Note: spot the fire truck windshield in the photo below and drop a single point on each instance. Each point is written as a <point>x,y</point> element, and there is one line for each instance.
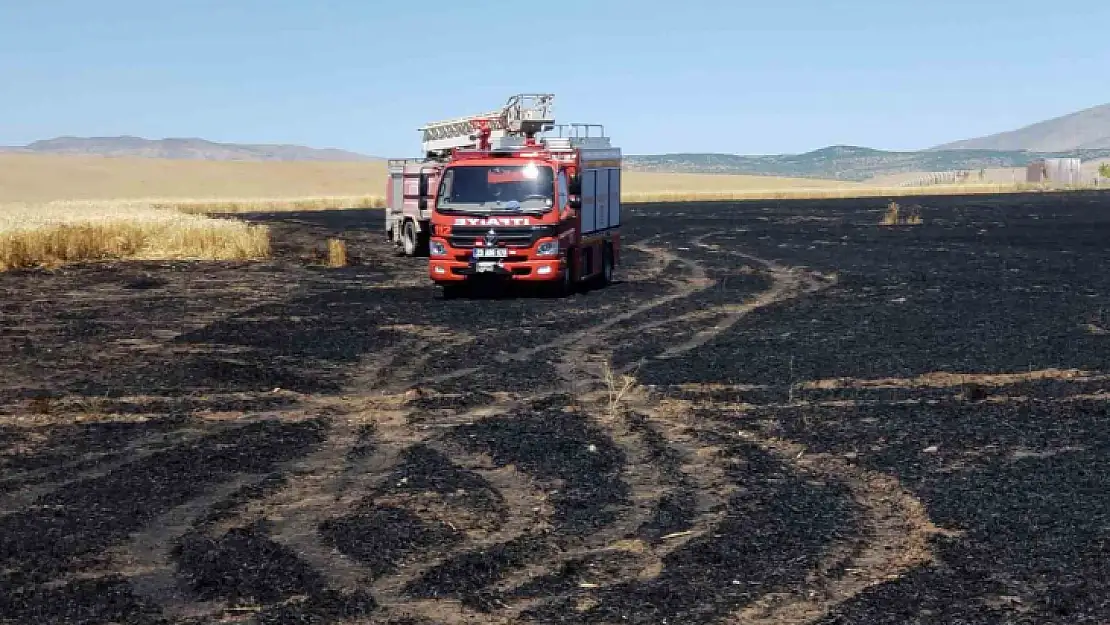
<point>525,188</point>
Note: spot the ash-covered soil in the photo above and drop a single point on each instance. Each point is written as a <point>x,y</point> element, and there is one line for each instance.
<point>782,412</point>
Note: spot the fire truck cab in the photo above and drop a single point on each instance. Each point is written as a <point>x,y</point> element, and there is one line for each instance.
<point>515,208</point>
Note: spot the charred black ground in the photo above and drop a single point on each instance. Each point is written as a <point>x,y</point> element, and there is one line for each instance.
<point>826,420</point>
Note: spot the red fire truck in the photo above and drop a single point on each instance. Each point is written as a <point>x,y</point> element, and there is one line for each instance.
<point>491,202</point>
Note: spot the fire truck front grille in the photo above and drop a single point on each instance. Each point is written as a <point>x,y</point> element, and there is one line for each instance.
<point>464,236</point>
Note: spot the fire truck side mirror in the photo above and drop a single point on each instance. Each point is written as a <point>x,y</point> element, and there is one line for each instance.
<point>574,185</point>
<point>574,203</point>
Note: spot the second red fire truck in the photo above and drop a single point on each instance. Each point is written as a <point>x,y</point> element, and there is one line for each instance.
<point>492,201</point>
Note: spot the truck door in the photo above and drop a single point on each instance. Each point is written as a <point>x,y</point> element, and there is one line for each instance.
<point>423,194</point>
<point>561,192</point>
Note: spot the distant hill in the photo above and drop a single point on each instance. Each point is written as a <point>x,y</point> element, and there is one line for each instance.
<point>190,149</point>
<point>845,162</point>
<point>1088,129</point>
<point>840,162</point>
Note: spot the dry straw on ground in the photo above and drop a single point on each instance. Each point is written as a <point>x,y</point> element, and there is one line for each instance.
<point>337,253</point>
<point>263,205</point>
<point>817,193</point>
<point>894,215</point>
<point>60,232</point>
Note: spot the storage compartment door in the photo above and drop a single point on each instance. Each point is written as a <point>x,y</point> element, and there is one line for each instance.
<point>397,192</point>
<point>589,201</point>
<point>614,198</point>
<point>602,221</point>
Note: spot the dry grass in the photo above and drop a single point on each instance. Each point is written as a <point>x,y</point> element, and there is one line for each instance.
<point>815,193</point>
<point>895,217</point>
<point>263,205</point>
<point>44,178</point>
<point>655,182</point>
<point>236,187</point>
<point>337,253</point>
<point>890,218</point>
<point>49,234</point>
<point>616,388</point>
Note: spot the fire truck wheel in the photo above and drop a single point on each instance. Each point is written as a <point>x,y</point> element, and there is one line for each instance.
<point>408,238</point>
<point>567,285</point>
<point>606,276</point>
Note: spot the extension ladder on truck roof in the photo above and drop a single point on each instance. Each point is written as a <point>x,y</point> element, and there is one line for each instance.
<point>397,165</point>
<point>527,113</point>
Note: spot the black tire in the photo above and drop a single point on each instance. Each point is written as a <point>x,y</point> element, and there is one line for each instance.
<point>567,285</point>
<point>605,278</point>
<point>409,243</point>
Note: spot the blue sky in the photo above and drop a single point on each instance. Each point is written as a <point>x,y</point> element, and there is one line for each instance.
<point>663,76</point>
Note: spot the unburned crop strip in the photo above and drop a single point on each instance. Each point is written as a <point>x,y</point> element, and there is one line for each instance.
<point>269,205</point>
<point>63,232</point>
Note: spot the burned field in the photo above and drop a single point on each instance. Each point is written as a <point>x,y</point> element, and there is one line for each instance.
<point>783,412</point>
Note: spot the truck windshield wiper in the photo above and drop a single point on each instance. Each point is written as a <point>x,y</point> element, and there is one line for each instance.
<point>462,208</point>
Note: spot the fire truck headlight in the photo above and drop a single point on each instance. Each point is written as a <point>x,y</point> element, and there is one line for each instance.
<point>437,249</point>
<point>548,248</point>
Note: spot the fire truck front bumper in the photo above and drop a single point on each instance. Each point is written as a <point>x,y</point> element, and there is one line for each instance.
<point>524,270</point>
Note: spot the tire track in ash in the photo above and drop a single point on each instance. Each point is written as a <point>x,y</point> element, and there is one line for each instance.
<point>894,535</point>
<point>786,284</point>
<point>695,282</point>
<point>649,483</point>
<point>896,530</point>
<point>40,483</point>
<point>391,590</point>
<point>303,498</point>
<point>526,509</point>
<point>338,477</point>
<point>327,484</point>
<point>895,538</point>
<point>148,564</point>
<point>644,478</point>
<point>663,471</point>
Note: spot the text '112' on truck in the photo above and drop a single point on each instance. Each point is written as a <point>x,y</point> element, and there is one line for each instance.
<point>496,200</point>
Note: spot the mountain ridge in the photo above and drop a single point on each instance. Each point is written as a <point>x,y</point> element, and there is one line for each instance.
<point>837,162</point>
<point>1086,129</point>
<point>186,148</point>
<point>849,163</point>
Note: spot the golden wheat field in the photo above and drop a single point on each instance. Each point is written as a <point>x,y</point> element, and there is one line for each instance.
<point>56,209</point>
<point>53,233</point>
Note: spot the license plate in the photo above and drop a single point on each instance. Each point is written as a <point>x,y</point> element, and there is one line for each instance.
<point>490,252</point>
<point>485,267</point>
